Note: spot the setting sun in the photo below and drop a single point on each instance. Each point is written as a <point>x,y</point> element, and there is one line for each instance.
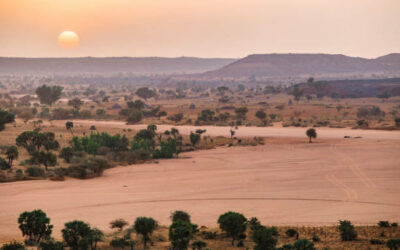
<point>68,40</point>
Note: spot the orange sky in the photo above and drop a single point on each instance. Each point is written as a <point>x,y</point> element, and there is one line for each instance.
<point>204,28</point>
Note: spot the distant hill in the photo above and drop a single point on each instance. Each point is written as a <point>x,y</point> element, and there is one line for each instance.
<point>276,65</point>
<point>107,65</point>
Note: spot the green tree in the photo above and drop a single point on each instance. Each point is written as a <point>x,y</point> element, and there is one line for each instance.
<point>69,126</point>
<point>118,223</point>
<point>180,233</point>
<point>198,245</point>
<point>76,234</point>
<point>263,239</point>
<point>137,104</point>
<point>95,236</point>
<point>12,154</point>
<point>145,226</point>
<point>145,93</point>
<point>66,153</point>
<point>51,245</point>
<point>33,141</point>
<point>311,133</point>
<point>49,94</point>
<point>46,158</point>
<point>5,117</point>
<point>194,138</point>
<point>4,164</point>
<point>234,224</point>
<point>260,114</point>
<point>180,215</point>
<point>35,225</point>
<point>347,232</point>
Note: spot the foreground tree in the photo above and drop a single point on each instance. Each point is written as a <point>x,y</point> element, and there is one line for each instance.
<point>35,226</point>
<point>145,226</point>
<point>76,234</point>
<point>234,224</point>
<point>311,133</point>
<point>5,117</point>
<point>49,94</point>
<point>180,233</point>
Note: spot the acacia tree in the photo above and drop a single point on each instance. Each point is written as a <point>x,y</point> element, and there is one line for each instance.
<point>145,93</point>
<point>49,94</point>
<point>35,225</point>
<point>118,223</point>
<point>145,226</point>
<point>311,133</point>
<point>5,117</point>
<point>12,153</point>
<point>76,234</point>
<point>234,224</point>
<point>69,126</point>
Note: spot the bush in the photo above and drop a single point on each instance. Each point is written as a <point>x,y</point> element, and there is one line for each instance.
<point>393,244</point>
<point>168,149</point>
<point>394,224</point>
<point>291,232</point>
<point>315,238</point>
<point>383,223</point>
<point>264,239</point>
<point>13,246</point>
<point>209,235</point>
<point>347,232</point>
<point>180,233</point>
<point>51,245</point>
<point>198,245</point>
<point>34,171</point>
<point>119,243</point>
<point>304,244</point>
<point>376,242</point>
<point>89,168</point>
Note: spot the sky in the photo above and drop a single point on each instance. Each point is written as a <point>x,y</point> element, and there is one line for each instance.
<point>200,28</point>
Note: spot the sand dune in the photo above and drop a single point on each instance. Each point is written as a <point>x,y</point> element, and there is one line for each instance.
<point>286,181</point>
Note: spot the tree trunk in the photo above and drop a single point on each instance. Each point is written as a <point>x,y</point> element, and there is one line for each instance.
<point>309,139</point>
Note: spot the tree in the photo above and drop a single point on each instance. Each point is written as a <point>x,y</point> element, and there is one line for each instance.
<point>46,158</point>
<point>241,113</point>
<point>4,164</point>
<point>76,234</point>
<point>311,133</point>
<point>263,239</point>
<point>12,154</point>
<point>297,93</point>
<point>180,215</point>
<point>347,232</point>
<point>304,244</point>
<point>76,103</point>
<point>118,223</point>
<point>198,245</point>
<point>180,233</point>
<point>49,94</point>
<point>145,226</point>
<point>134,116</point>
<point>145,93</point>
<point>194,138</point>
<point>35,225</point>
<point>69,126</point>
<point>138,104</point>
<point>234,224</point>
<point>95,236</point>
<point>66,153</point>
<point>397,121</point>
<point>260,114</point>
<point>5,117</point>
<point>51,245</point>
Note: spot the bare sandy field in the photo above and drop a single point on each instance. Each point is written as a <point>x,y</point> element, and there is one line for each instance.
<point>285,181</point>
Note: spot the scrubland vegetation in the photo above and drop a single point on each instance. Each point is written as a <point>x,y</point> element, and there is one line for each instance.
<point>235,232</point>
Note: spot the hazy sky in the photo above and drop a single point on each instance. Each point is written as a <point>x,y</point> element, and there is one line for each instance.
<point>204,28</point>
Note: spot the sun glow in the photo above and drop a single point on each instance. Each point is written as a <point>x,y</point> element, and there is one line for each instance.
<point>68,40</point>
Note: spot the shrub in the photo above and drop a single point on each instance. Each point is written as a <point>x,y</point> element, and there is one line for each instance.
<point>315,238</point>
<point>303,244</point>
<point>370,112</point>
<point>383,223</point>
<point>209,235</point>
<point>291,232</point>
<point>264,239</point>
<point>89,168</point>
<point>347,232</point>
<point>134,116</point>
<point>198,245</point>
<point>394,224</point>
<point>34,171</point>
<point>119,243</point>
<point>51,245</point>
<point>376,242</point>
<point>393,244</point>
<point>234,224</point>
<point>66,153</point>
<point>168,149</point>
<point>13,246</point>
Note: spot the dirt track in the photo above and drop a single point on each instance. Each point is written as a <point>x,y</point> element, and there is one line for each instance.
<point>286,181</point>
